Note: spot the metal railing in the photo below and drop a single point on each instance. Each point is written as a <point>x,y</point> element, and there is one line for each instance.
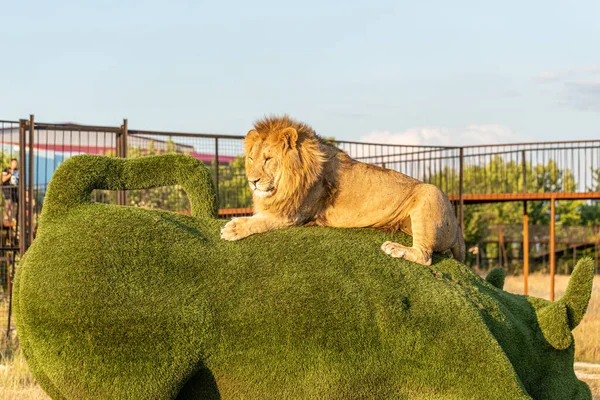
<point>466,174</point>
<point>9,229</point>
<point>548,167</point>
<point>503,245</point>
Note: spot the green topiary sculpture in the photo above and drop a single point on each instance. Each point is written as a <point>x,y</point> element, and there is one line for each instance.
<point>127,303</point>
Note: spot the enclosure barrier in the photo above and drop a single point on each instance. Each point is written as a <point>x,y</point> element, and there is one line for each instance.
<point>523,172</point>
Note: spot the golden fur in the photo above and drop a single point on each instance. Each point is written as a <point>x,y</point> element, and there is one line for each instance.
<point>298,178</point>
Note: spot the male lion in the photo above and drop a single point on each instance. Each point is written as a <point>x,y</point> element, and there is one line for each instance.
<point>297,178</point>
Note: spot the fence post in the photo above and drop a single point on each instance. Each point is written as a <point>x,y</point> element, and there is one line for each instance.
<point>29,198</point>
<point>10,271</point>
<point>21,217</point>
<point>122,143</point>
<point>125,130</point>
<point>525,249</point>
<point>500,245</point>
<point>118,146</point>
<point>461,220</point>
<point>552,246</point>
<point>124,153</point>
<point>596,247</point>
<point>21,220</point>
<point>217,169</point>
<point>524,172</point>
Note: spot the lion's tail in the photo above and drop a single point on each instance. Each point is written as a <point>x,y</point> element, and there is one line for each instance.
<point>458,248</point>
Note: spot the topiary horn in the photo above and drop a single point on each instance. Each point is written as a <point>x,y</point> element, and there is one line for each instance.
<point>579,291</point>
<point>556,320</point>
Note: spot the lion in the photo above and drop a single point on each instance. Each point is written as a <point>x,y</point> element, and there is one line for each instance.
<point>297,178</point>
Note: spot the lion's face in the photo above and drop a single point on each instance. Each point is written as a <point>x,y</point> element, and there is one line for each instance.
<point>281,165</point>
<point>263,163</point>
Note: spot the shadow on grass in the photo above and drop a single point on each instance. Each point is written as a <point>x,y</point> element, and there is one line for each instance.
<point>200,386</point>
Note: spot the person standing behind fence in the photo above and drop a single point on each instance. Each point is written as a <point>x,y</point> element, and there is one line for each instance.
<point>10,185</point>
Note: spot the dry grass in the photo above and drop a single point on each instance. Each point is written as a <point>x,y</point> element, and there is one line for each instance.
<point>16,382</point>
<point>590,373</point>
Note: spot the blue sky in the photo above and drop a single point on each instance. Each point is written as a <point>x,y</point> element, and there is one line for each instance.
<point>435,72</point>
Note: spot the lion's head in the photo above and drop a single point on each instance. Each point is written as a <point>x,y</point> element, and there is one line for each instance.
<point>283,160</point>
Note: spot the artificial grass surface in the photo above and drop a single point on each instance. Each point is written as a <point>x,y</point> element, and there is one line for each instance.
<point>128,303</point>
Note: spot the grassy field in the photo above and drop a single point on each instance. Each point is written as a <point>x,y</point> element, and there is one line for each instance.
<point>16,382</point>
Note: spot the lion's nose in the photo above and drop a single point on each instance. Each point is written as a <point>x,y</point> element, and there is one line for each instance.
<point>255,181</point>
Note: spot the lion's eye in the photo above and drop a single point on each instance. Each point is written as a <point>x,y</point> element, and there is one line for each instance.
<point>267,159</point>
<point>250,158</point>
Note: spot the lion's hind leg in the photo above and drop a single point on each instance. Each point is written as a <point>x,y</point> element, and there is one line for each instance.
<point>408,253</point>
<point>432,225</point>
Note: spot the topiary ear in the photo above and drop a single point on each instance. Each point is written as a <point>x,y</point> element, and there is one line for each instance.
<point>289,137</point>
<point>553,322</point>
<point>251,137</point>
<point>496,277</point>
<point>556,320</point>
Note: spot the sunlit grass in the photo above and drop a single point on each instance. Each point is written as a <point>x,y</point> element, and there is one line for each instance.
<point>16,382</point>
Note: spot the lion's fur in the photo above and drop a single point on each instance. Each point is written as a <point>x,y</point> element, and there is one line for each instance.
<point>302,162</point>
<point>301,178</point>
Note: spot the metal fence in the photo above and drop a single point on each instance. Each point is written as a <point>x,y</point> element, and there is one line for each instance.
<point>54,143</point>
<point>549,167</point>
<point>223,155</point>
<point>470,174</point>
<point>432,164</point>
<point>9,206</point>
<point>503,246</point>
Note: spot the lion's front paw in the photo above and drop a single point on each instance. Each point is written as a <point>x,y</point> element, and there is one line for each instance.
<point>236,229</point>
<point>394,249</point>
<point>408,253</point>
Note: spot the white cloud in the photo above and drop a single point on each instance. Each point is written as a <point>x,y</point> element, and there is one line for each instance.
<point>588,86</point>
<point>548,76</point>
<point>583,95</point>
<point>473,134</point>
<point>579,87</point>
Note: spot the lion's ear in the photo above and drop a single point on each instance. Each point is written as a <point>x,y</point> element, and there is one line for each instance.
<point>251,137</point>
<point>289,137</point>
